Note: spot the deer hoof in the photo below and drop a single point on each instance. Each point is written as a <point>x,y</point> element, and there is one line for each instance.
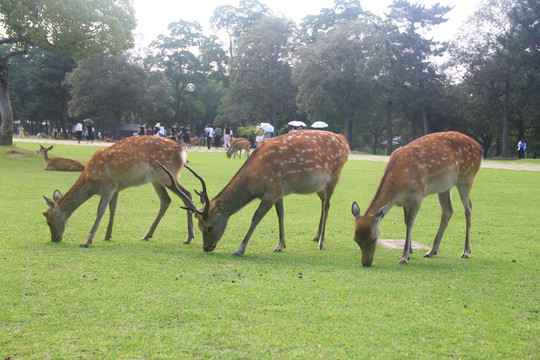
<point>236,254</point>
<point>429,254</point>
<point>464,256</point>
<point>84,245</point>
<point>278,250</point>
<point>403,262</point>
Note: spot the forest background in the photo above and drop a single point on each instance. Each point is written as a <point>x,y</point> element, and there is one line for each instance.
<point>380,81</point>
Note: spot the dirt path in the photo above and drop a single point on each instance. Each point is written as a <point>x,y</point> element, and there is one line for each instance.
<point>487,164</point>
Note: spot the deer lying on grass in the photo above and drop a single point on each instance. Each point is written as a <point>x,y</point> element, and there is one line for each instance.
<point>237,145</point>
<point>304,162</point>
<point>130,162</point>
<point>432,164</point>
<point>59,164</point>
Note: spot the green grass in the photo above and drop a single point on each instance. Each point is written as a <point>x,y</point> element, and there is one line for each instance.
<point>164,300</point>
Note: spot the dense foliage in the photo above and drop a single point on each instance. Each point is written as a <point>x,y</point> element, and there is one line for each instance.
<point>380,81</point>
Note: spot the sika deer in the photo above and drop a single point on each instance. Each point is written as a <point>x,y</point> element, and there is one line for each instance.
<point>432,164</point>
<point>59,164</point>
<point>130,162</point>
<point>237,145</point>
<point>304,162</point>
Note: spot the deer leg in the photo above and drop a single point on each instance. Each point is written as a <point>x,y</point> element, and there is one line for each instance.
<point>445,201</point>
<point>465,195</point>
<point>411,210</point>
<point>325,196</point>
<point>280,215</point>
<point>102,207</point>
<point>112,210</point>
<point>164,201</point>
<point>263,208</point>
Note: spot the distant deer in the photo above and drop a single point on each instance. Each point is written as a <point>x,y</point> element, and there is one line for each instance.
<point>432,164</point>
<point>237,145</point>
<point>195,141</point>
<point>59,164</point>
<point>304,162</point>
<point>130,162</point>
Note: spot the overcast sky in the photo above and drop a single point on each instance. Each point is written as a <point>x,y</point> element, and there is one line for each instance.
<point>153,16</point>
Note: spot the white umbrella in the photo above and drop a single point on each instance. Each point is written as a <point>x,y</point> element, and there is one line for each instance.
<point>267,127</point>
<point>297,123</point>
<point>319,125</point>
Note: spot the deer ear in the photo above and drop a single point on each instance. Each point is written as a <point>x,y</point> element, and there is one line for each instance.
<point>50,202</point>
<point>379,215</point>
<point>355,209</point>
<point>57,195</point>
<point>50,148</point>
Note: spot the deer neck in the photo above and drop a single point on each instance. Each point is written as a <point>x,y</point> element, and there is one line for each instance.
<point>46,159</point>
<point>386,194</point>
<point>76,196</point>
<point>235,195</point>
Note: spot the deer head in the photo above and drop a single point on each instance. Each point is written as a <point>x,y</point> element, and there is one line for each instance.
<point>56,220</point>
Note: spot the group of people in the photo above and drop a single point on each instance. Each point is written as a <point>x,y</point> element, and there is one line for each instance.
<point>178,134</point>
<point>216,135</point>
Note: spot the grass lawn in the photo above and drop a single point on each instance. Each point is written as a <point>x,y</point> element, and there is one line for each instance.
<point>129,299</point>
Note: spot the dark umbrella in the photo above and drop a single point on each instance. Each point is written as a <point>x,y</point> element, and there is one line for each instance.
<point>90,121</point>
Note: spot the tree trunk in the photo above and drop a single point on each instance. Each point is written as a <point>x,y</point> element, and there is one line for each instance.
<point>6,113</point>
<point>505,120</point>
<point>389,133</point>
<point>347,122</point>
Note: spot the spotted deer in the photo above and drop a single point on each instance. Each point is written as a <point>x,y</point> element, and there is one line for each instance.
<point>432,164</point>
<point>237,145</point>
<point>304,162</point>
<point>58,164</point>
<point>128,163</point>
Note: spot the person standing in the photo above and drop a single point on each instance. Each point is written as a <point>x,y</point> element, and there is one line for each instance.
<point>142,130</point>
<point>186,136</point>
<point>227,136</point>
<point>209,133</point>
<point>259,135</point>
<point>522,146</point>
<point>217,136</point>
<point>78,132</point>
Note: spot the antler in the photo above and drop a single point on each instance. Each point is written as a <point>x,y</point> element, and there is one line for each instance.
<point>174,188</point>
<point>204,194</point>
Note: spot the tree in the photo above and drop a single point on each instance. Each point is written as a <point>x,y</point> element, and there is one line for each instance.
<point>501,62</point>
<point>80,29</point>
<point>336,75</point>
<point>107,85</point>
<point>236,20</point>
<point>177,55</point>
<point>261,87</point>
<point>410,19</point>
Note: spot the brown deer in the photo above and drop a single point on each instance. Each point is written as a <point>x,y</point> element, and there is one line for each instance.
<point>58,164</point>
<point>130,162</point>
<point>432,164</point>
<point>195,141</point>
<point>237,145</point>
<point>304,162</point>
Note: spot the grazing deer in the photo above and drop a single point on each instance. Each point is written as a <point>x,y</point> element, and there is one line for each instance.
<point>237,145</point>
<point>432,164</point>
<point>305,162</point>
<point>130,162</point>
<point>59,164</point>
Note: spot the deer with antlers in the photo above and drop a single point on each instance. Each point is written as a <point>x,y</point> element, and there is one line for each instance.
<point>304,162</point>
<point>130,162</point>
<point>432,164</point>
<point>237,145</point>
<point>58,164</point>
